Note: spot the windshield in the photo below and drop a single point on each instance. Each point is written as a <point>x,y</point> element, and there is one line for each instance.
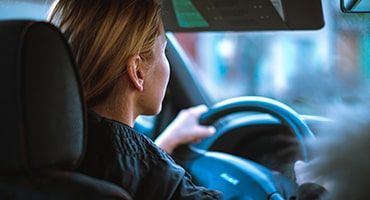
<point>304,69</point>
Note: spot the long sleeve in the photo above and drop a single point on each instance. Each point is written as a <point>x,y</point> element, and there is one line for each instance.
<point>119,154</point>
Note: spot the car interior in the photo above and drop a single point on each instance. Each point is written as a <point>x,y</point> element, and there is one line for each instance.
<point>258,137</point>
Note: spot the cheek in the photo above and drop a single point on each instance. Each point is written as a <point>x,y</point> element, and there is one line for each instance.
<point>158,86</point>
<point>160,77</point>
<point>166,70</point>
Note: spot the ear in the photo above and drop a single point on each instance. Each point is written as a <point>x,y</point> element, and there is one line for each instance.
<point>135,72</point>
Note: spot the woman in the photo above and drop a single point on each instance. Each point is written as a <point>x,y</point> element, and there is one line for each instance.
<point>120,47</point>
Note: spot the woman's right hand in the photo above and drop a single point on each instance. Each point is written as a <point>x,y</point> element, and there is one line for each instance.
<point>185,129</point>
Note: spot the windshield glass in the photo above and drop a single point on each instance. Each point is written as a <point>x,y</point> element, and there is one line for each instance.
<point>304,69</point>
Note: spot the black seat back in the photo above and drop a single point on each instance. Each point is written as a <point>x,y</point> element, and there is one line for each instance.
<point>42,121</point>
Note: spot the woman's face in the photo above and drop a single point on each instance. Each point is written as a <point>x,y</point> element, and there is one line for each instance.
<point>157,77</point>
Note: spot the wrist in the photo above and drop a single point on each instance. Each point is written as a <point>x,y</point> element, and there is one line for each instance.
<point>165,142</point>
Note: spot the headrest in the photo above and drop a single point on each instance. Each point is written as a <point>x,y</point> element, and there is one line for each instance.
<point>41,105</point>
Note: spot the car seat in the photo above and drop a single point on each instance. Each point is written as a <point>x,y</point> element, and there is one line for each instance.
<point>42,123</point>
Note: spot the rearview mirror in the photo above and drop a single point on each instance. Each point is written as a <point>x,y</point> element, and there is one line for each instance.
<point>355,6</point>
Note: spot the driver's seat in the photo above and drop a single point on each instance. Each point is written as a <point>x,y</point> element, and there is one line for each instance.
<point>42,122</point>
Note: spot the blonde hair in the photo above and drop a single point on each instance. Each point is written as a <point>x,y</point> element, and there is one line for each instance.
<point>103,34</point>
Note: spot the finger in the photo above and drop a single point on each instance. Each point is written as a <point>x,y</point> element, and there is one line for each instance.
<point>205,131</point>
<point>198,110</point>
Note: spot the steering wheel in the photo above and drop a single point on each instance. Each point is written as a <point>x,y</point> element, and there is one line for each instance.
<point>236,177</point>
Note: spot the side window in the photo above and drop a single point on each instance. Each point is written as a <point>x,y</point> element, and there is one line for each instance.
<point>32,9</point>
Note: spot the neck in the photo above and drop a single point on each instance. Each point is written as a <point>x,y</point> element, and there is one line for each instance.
<point>119,111</point>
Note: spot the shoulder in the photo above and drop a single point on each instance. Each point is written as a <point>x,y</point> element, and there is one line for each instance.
<point>127,141</point>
